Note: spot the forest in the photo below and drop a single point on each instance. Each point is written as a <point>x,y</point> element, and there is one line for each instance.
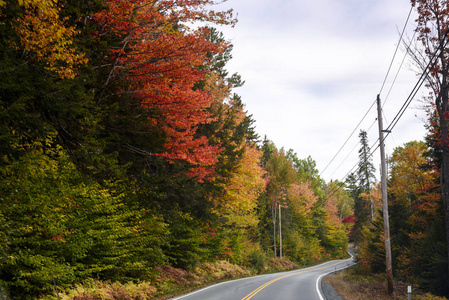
<point>126,151</point>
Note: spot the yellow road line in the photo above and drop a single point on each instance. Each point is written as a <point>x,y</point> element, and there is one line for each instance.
<point>253,293</point>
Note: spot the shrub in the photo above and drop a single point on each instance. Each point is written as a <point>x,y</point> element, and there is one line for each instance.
<point>100,290</point>
<point>258,260</point>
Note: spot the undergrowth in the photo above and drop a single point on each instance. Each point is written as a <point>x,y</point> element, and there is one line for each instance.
<point>170,281</point>
<point>351,285</point>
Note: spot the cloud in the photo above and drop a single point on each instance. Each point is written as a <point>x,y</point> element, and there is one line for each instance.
<point>314,67</point>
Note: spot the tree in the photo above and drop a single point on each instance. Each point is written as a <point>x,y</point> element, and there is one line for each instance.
<point>281,174</point>
<point>432,26</point>
<point>341,198</point>
<point>57,223</point>
<point>407,176</point>
<point>416,222</point>
<point>162,60</point>
<point>360,183</point>
<point>267,148</point>
<point>366,169</point>
<point>239,202</point>
<point>45,36</point>
<point>417,216</point>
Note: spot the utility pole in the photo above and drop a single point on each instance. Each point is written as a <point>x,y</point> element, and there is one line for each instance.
<point>280,232</point>
<point>273,216</point>
<point>385,199</point>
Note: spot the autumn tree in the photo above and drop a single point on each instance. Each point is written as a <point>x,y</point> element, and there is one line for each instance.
<point>416,222</point>
<point>162,60</point>
<point>300,238</point>
<point>307,171</point>
<point>243,190</point>
<point>412,199</point>
<point>44,35</point>
<point>432,26</point>
<point>340,198</point>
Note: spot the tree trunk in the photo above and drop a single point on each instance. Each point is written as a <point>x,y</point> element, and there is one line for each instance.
<point>445,164</point>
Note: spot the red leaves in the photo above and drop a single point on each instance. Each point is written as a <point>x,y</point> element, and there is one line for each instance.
<point>351,219</point>
<point>163,60</point>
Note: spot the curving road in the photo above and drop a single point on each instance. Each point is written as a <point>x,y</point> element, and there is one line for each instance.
<point>299,284</point>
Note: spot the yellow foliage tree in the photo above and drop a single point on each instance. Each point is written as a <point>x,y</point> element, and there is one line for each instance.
<point>47,38</point>
<point>407,175</point>
<point>243,189</point>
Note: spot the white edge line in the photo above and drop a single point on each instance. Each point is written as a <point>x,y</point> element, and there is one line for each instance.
<point>318,281</point>
<point>225,282</point>
<point>203,289</point>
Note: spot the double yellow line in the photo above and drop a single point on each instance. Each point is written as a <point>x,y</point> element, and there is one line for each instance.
<point>253,293</point>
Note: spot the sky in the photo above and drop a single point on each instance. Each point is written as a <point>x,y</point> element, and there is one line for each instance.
<point>312,70</point>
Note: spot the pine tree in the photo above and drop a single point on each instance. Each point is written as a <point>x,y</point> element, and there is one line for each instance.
<point>366,169</point>
<point>363,182</point>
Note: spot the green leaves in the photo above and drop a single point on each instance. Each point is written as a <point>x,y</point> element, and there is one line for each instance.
<point>56,223</point>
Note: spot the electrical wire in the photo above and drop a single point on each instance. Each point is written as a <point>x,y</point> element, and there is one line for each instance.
<point>407,102</point>
<point>344,144</point>
<point>385,79</point>
<point>397,73</point>
<point>420,82</point>
<point>352,150</point>
<point>397,47</point>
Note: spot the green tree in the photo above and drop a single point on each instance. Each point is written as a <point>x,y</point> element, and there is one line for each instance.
<point>432,24</point>
<point>58,224</point>
<point>363,209</point>
<point>365,170</point>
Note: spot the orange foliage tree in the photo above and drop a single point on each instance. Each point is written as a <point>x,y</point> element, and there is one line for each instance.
<point>416,198</point>
<point>339,204</point>
<point>46,37</point>
<point>162,59</point>
<point>432,35</point>
<point>302,198</point>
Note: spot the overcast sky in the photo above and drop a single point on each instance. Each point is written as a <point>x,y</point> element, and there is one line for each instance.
<point>314,67</point>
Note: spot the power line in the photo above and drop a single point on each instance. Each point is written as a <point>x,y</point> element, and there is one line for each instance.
<point>420,82</point>
<point>342,183</point>
<point>386,76</point>
<point>397,73</point>
<point>344,144</point>
<point>352,150</point>
<point>397,47</point>
<point>407,102</point>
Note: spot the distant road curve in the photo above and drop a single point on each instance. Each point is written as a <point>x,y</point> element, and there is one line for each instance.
<point>304,284</point>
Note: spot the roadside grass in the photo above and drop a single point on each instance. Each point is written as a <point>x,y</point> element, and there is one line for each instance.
<point>169,281</point>
<point>353,286</point>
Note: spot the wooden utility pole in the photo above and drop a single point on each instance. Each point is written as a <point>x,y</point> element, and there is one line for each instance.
<point>383,180</point>
<point>273,215</point>
<point>280,232</point>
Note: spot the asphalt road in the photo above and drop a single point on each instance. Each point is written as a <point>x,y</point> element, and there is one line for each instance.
<point>304,284</point>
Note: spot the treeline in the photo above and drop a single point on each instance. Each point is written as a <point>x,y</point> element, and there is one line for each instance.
<point>416,215</point>
<point>418,174</point>
<point>124,148</point>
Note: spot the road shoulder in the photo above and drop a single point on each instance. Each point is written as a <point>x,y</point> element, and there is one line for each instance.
<point>329,292</point>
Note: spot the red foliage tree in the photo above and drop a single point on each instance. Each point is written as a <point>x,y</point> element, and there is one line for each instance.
<point>162,59</point>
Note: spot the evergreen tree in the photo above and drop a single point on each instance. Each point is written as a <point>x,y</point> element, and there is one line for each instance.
<point>363,211</point>
<point>366,168</point>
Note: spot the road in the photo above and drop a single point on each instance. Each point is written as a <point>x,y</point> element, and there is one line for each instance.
<point>304,284</point>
